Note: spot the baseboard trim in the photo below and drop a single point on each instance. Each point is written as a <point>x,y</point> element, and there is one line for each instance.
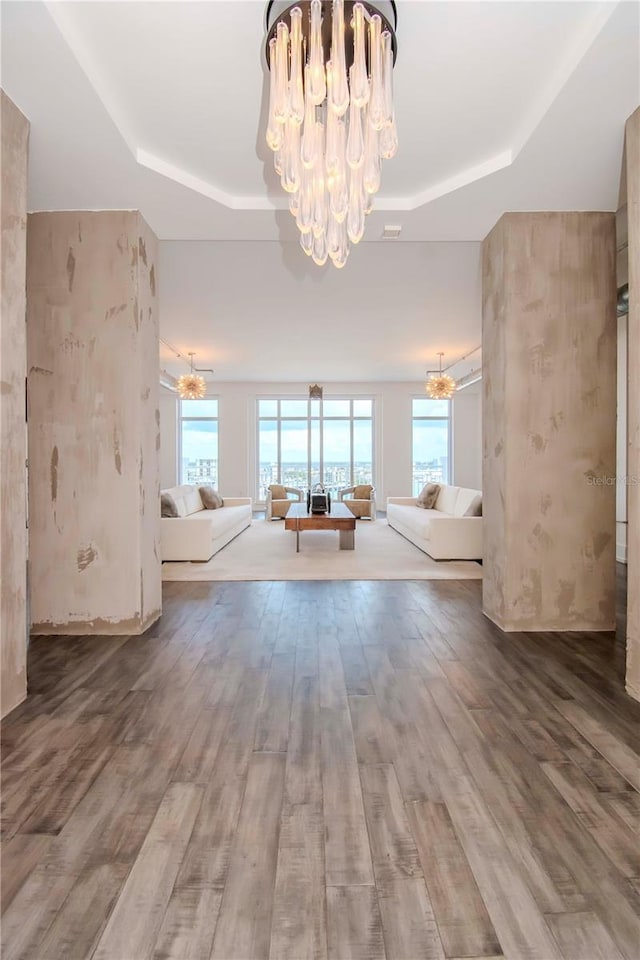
<point>544,626</point>
<point>633,690</point>
<point>132,626</point>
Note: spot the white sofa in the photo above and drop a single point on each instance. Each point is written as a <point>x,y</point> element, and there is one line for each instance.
<point>443,532</point>
<point>196,533</point>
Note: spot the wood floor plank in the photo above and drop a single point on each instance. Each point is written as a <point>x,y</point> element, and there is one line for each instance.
<point>236,749</point>
<point>469,688</point>
<point>223,786</point>
<point>189,924</point>
<point>408,923</point>
<point>354,926</point>
<point>272,728</point>
<point>208,854</point>
<point>371,738</point>
<point>32,912</point>
<point>20,856</point>
<point>347,851</point>
<point>625,760</point>
<point>581,936</point>
<point>580,864</point>
<point>303,778</point>
<point>80,921</point>
<point>299,927</point>
<point>460,912</point>
<point>133,925</point>
<point>514,913</point>
<point>201,751</point>
<point>244,921</point>
<point>411,756</point>
<point>64,794</point>
<point>393,848</point>
<point>356,671</point>
<point>610,833</point>
<point>627,806</point>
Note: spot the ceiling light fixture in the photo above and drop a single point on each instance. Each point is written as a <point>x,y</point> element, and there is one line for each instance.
<point>439,385</point>
<point>191,386</point>
<point>331,116</point>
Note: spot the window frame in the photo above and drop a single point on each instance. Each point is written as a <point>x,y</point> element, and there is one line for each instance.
<point>449,421</point>
<point>182,419</point>
<point>320,419</point>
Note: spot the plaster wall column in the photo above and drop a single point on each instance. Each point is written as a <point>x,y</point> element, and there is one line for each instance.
<point>632,160</point>
<point>549,415</point>
<point>94,435</point>
<point>13,430</point>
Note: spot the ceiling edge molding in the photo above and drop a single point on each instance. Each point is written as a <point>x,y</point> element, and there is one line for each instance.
<point>205,188</point>
<point>70,35</point>
<point>449,185</point>
<point>576,52</point>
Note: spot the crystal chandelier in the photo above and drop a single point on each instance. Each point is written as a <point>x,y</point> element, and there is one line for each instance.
<point>439,385</point>
<point>191,386</point>
<point>331,117</point>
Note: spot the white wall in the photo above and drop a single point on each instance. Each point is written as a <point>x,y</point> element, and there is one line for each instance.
<point>238,442</point>
<point>467,438</point>
<point>168,438</point>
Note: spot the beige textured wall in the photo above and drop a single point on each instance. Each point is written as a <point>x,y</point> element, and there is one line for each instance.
<point>633,406</point>
<point>93,422</point>
<point>549,350</point>
<point>13,436</point>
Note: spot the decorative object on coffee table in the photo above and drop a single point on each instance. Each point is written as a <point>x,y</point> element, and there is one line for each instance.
<point>318,500</point>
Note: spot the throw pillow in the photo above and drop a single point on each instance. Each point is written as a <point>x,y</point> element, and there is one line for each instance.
<point>362,492</point>
<point>278,492</point>
<point>428,496</point>
<point>168,506</point>
<point>475,507</point>
<point>211,499</point>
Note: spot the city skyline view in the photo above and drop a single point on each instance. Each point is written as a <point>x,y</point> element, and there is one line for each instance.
<point>289,450</point>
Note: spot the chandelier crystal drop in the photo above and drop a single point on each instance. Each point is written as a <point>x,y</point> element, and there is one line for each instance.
<point>331,118</point>
<point>191,386</point>
<point>439,385</point>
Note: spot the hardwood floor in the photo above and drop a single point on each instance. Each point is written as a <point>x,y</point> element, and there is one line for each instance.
<point>323,770</point>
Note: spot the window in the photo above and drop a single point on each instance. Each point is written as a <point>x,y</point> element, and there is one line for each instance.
<point>431,442</point>
<point>199,441</point>
<point>304,442</point>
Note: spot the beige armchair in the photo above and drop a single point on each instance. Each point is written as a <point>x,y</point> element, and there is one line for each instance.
<point>361,500</point>
<point>278,500</point>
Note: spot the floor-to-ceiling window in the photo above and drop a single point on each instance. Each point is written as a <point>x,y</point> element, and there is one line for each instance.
<point>304,442</point>
<point>198,440</point>
<point>431,442</point>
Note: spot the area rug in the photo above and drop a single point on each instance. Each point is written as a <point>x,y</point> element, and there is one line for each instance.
<point>266,551</point>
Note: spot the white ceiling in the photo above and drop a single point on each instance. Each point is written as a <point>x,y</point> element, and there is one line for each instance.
<point>500,106</point>
<point>266,310</point>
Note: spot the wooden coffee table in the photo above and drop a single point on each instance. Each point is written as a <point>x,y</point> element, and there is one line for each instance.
<point>340,518</point>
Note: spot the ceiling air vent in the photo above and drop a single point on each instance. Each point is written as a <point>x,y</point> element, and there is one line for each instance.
<point>391,233</point>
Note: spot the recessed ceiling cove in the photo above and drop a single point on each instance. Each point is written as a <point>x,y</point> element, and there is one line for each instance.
<point>162,107</point>
<point>187,86</point>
